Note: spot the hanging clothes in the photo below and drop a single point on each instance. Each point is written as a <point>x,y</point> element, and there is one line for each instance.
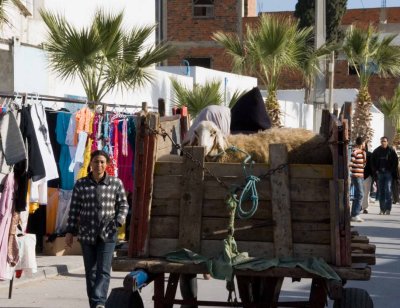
<point>6,205</point>
<point>64,201</point>
<point>84,119</point>
<point>51,116</point>
<point>12,149</point>
<point>88,150</point>
<point>51,210</point>
<point>125,158</point>
<point>33,167</point>
<point>42,134</point>
<point>66,177</point>
<point>69,140</point>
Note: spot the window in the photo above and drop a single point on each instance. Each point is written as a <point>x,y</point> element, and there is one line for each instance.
<point>203,62</point>
<point>203,8</point>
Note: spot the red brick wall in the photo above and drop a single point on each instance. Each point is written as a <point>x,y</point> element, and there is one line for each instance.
<point>378,87</point>
<point>367,16</point>
<point>184,28</point>
<point>181,26</point>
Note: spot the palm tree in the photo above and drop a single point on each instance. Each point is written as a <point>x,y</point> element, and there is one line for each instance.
<point>309,62</point>
<point>274,45</point>
<point>391,109</point>
<point>369,54</point>
<point>3,14</point>
<point>104,56</point>
<point>201,96</point>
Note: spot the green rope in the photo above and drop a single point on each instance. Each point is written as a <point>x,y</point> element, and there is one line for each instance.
<point>249,193</point>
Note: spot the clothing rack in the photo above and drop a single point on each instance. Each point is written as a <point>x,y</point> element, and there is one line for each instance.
<point>50,98</point>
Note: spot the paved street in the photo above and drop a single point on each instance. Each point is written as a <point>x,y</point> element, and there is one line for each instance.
<point>69,290</point>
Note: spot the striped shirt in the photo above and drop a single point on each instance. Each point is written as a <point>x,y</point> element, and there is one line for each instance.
<point>97,209</point>
<point>357,163</point>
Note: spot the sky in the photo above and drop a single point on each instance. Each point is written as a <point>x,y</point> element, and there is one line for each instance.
<point>288,5</point>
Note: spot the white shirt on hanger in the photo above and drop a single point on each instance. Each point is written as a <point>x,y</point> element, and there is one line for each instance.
<point>43,137</point>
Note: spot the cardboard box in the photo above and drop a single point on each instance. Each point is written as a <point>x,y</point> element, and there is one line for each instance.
<point>58,247</point>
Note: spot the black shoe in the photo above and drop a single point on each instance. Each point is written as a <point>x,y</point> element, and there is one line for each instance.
<point>365,212</point>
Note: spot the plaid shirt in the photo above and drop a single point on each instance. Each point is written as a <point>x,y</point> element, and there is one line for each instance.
<point>97,209</point>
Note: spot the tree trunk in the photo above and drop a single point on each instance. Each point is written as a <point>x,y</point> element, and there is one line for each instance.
<point>273,108</point>
<point>362,116</point>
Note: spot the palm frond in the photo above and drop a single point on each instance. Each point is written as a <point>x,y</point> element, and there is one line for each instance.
<point>4,18</point>
<point>197,99</point>
<point>104,56</point>
<point>235,97</point>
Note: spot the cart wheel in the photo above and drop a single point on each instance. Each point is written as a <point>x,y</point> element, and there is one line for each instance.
<point>354,298</point>
<point>121,298</point>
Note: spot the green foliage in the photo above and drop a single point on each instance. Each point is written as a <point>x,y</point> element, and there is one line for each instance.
<point>198,98</point>
<point>3,12</point>
<point>371,54</point>
<point>335,9</point>
<point>391,107</point>
<point>104,56</point>
<point>235,97</point>
<point>201,96</point>
<point>276,44</point>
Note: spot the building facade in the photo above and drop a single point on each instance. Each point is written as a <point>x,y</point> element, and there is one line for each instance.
<point>189,25</point>
<point>191,34</point>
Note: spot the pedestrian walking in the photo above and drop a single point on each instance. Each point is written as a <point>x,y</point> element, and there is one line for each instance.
<point>98,207</point>
<point>357,164</point>
<point>368,175</point>
<point>384,165</point>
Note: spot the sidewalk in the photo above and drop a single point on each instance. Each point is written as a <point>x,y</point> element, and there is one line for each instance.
<point>49,266</point>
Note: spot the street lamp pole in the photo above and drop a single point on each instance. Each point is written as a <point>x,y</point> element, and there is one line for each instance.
<point>320,79</point>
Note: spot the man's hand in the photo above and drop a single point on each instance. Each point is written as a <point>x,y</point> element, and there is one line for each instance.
<point>69,239</point>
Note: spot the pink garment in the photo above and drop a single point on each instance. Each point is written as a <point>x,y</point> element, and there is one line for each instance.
<point>6,204</point>
<point>125,167</point>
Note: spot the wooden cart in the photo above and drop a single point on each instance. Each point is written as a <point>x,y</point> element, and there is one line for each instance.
<point>303,212</point>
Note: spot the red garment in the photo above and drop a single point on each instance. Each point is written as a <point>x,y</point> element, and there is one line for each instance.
<point>125,166</point>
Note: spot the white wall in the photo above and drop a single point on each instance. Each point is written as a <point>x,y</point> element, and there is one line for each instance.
<point>31,75</point>
<point>229,82</point>
<point>340,96</point>
<point>79,12</point>
<point>291,116</point>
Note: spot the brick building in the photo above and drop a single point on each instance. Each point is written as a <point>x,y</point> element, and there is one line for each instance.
<point>189,25</point>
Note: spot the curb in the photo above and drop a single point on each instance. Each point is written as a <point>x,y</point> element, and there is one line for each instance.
<point>42,273</point>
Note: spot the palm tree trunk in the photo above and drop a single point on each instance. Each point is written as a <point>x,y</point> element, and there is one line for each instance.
<point>273,108</point>
<point>362,116</point>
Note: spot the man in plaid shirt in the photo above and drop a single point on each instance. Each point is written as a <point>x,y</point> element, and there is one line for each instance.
<point>98,207</point>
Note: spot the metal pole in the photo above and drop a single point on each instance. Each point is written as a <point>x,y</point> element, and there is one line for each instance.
<point>331,80</point>
<point>320,79</point>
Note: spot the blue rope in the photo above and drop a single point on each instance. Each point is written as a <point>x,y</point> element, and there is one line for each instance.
<point>249,193</point>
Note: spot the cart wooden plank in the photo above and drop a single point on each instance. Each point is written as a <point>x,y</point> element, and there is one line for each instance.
<point>280,200</point>
<point>358,271</point>
<point>191,201</point>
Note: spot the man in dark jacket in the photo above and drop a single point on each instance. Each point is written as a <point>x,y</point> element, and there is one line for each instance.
<point>384,165</point>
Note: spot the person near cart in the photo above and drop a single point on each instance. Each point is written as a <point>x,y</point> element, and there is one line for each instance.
<point>98,207</point>
<point>384,165</point>
<point>357,164</point>
<point>368,179</point>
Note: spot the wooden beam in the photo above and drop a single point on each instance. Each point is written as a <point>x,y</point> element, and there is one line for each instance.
<point>191,201</point>
<point>334,220</point>
<point>280,200</point>
<point>153,122</point>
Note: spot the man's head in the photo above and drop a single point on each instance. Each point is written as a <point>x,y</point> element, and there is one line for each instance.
<point>384,142</point>
<point>98,162</point>
<point>360,142</point>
